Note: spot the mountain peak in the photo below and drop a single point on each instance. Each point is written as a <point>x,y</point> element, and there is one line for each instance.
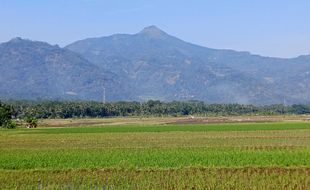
<point>17,39</point>
<point>153,31</point>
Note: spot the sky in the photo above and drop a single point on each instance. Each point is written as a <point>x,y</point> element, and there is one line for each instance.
<point>276,28</point>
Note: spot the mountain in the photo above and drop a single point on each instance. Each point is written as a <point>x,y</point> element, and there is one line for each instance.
<point>148,65</point>
<point>37,70</point>
<point>157,65</point>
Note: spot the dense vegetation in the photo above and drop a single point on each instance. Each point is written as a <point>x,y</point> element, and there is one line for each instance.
<point>66,109</point>
<point>6,116</point>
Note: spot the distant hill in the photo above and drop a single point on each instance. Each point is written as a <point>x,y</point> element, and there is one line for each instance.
<point>37,70</point>
<point>160,66</point>
<point>149,65</point>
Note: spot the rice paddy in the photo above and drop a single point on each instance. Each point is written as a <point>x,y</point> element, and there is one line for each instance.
<point>269,155</point>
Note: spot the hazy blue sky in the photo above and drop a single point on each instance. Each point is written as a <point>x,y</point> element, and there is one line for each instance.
<point>268,27</point>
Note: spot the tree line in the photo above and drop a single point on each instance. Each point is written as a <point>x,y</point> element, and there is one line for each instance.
<point>79,109</point>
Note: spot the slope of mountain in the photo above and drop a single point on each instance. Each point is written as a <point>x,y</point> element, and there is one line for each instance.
<point>149,65</point>
<point>159,66</point>
<point>32,70</point>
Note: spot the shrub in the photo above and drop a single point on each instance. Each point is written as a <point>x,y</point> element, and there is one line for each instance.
<point>6,117</point>
<point>31,122</point>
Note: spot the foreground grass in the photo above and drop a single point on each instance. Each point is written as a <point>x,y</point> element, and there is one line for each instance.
<point>218,156</point>
<point>187,178</point>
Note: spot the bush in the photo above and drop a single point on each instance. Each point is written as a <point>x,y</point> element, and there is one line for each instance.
<point>9,125</point>
<point>31,122</point>
<point>6,117</point>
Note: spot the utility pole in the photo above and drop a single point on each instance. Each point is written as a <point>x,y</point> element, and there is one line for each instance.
<point>284,104</point>
<point>284,101</point>
<point>103,95</point>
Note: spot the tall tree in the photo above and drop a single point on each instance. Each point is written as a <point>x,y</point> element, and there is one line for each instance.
<point>6,116</point>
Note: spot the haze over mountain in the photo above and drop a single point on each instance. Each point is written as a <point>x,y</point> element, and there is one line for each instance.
<point>149,65</point>
<point>32,70</point>
<point>161,66</point>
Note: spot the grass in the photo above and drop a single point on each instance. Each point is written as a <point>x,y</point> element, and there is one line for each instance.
<point>152,158</point>
<point>216,139</point>
<point>214,156</point>
<point>186,178</point>
<point>170,128</point>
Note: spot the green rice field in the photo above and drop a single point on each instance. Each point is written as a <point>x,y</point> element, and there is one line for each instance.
<point>270,155</point>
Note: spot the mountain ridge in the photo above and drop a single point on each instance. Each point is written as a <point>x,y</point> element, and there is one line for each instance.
<point>191,43</point>
<point>34,69</point>
<point>152,64</point>
<point>151,55</point>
